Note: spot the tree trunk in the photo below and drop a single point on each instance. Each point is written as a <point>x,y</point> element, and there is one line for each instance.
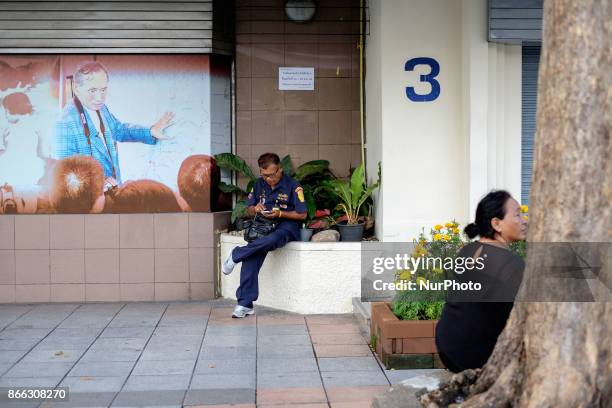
<point>559,354</point>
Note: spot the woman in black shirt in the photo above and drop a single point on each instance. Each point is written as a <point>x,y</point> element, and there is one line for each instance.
<point>468,329</point>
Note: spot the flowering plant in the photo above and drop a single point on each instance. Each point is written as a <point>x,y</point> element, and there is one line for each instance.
<point>441,249</point>
<point>446,241</point>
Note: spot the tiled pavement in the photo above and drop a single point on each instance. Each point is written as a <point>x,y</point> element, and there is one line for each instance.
<point>188,354</point>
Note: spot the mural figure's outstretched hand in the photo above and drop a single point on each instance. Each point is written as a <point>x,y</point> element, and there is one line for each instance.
<point>157,130</point>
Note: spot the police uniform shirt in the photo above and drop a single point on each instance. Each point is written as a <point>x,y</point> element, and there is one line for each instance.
<point>287,195</point>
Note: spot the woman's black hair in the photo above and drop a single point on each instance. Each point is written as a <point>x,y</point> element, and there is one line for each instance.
<point>491,206</point>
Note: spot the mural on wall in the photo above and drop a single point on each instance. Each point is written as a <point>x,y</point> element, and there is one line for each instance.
<point>108,133</point>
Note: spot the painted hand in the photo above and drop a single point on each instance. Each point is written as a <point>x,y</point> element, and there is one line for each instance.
<point>157,130</point>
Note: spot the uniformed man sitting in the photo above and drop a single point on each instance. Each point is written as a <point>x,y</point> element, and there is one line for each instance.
<point>275,196</point>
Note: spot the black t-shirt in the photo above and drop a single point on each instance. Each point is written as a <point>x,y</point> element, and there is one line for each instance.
<point>468,330</point>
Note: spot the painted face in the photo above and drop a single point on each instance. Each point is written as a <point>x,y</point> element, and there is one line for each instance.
<point>92,92</point>
<point>272,174</point>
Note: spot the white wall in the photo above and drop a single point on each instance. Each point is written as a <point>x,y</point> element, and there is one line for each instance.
<point>439,157</point>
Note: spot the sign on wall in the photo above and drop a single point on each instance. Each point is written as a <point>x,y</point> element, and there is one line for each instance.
<point>295,79</point>
<point>429,78</point>
<point>112,133</point>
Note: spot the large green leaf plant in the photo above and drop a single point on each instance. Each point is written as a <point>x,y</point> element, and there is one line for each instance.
<point>352,193</point>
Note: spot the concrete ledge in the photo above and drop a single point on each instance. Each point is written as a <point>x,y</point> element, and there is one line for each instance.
<point>303,277</point>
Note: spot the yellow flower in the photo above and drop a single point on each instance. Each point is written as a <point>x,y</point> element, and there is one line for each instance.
<point>449,225</point>
<point>456,230</point>
<point>420,279</point>
<point>438,227</point>
<point>447,237</point>
<point>437,270</point>
<point>524,208</point>
<point>526,217</point>
<point>405,275</point>
<point>437,237</point>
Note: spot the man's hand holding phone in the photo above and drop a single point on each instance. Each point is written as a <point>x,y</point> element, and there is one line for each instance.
<point>260,208</point>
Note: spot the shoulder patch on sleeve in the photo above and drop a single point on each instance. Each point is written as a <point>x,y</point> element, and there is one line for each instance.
<point>300,193</point>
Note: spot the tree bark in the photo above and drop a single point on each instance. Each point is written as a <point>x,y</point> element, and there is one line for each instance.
<point>559,354</point>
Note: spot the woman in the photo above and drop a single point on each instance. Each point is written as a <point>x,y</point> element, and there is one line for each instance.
<point>468,329</point>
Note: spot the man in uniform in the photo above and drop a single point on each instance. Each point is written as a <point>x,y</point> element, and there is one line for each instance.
<point>275,196</point>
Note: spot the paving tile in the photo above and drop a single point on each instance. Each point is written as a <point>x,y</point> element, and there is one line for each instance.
<point>26,369</point>
<point>214,366</point>
<point>183,330</point>
<point>274,330</point>
<point>316,405</point>
<point>186,321</point>
<point>353,378</point>
<point>346,338</point>
<point>148,397</point>
<point>284,340</point>
<point>80,343</point>
<point>348,364</point>
<point>93,384</point>
<point>172,367</point>
<point>101,369</point>
<point>23,382</point>
<point>119,343</point>
<point>80,332</point>
<point>334,319</point>
<point>4,367</point>
<point>110,354</point>
<point>17,344</point>
<point>18,333</point>
<point>85,399</point>
<point>279,319</point>
<point>218,396</point>
<point>229,341</point>
<point>169,353</point>
<point>127,332</point>
<point>278,396</point>
<point>209,352</point>
<point>156,382</point>
<point>222,406</point>
<point>231,330</point>
<point>333,328</point>
<point>289,380</point>
<point>191,342</point>
<point>397,376</point>
<point>280,351</point>
<point>352,350</point>
<point>58,355</point>
<point>352,404</point>
<point>354,394</point>
<point>218,381</point>
<point>296,365</point>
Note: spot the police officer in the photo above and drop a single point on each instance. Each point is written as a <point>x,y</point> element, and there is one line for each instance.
<point>276,196</point>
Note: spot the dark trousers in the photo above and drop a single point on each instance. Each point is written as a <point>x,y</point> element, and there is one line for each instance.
<point>252,257</point>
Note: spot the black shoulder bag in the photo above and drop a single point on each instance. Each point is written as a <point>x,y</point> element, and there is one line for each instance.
<point>258,227</point>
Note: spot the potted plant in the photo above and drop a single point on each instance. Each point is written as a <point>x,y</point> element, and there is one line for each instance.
<point>305,232</point>
<point>352,194</point>
<point>403,331</point>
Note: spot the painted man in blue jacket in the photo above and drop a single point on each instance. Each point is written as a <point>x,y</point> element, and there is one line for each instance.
<point>88,128</point>
<point>276,196</point>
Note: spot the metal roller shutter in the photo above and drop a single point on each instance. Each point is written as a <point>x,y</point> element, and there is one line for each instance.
<point>133,26</point>
<point>531,60</point>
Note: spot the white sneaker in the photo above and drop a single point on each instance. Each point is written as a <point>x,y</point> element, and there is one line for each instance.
<point>228,265</point>
<point>242,311</point>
